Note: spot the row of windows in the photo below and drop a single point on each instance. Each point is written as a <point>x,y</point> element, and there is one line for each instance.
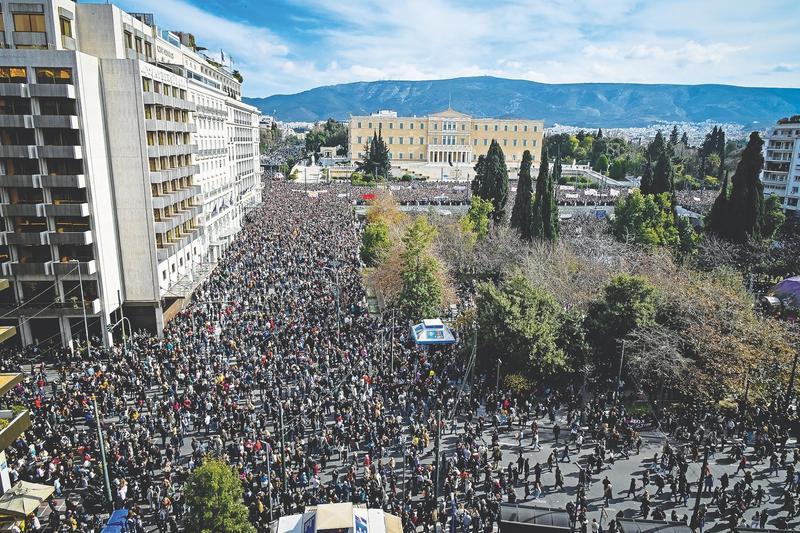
<point>138,44</point>
<point>420,157</point>
<point>163,88</point>
<point>451,126</point>
<point>43,75</point>
<point>446,139</point>
<point>165,113</point>
<point>169,162</point>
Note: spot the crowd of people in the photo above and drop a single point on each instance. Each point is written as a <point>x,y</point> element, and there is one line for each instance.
<point>277,367</point>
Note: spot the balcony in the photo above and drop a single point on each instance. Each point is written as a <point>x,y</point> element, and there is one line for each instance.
<point>67,210</point>
<point>75,181</point>
<point>169,125</point>
<point>60,152</point>
<point>160,176</point>
<point>22,210</point>
<point>59,268</point>
<point>16,121</point>
<point>70,237</point>
<point>160,202</point>
<point>18,423</point>
<point>72,306</point>
<point>56,121</point>
<point>35,238</point>
<point>21,90</point>
<point>29,269</point>
<point>62,90</point>
<point>30,181</point>
<point>30,38</point>
<point>169,101</point>
<point>24,151</point>
<point>167,150</point>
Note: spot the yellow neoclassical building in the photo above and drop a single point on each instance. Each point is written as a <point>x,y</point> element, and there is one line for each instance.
<point>448,137</point>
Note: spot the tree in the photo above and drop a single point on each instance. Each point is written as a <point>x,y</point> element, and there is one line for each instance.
<point>523,203</point>
<point>673,136</point>
<point>491,180</point>
<point>646,185</point>
<point>657,147</point>
<point>662,175</point>
<point>717,219</point>
<point>602,164</point>
<point>617,170</point>
<point>329,133</point>
<point>376,158</point>
<point>544,216</point>
<point>214,499</point>
<point>599,133</point>
<point>629,302</point>
<point>647,219</point>
<point>477,218</point>
<point>774,217</point>
<point>526,327</point>
<point>685,139</point>
<point>374,242</point>
<point>746,203</point>
<point>422,290</point>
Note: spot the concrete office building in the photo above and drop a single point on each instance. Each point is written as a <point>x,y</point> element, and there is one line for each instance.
<point>99,198</point>
<point>781,172</point>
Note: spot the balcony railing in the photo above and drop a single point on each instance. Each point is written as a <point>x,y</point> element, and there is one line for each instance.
<point>67,210</point>
<point>17,424</point>
<point>68,268</point>
<point>70,237</point>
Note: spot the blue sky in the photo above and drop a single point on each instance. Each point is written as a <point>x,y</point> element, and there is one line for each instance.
<point>287,46</point>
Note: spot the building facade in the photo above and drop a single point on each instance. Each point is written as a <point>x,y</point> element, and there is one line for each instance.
<point>781,172</point>
<point>102,196</point>
<point>448,137</point>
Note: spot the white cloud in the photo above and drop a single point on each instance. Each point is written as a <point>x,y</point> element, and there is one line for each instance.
<point>675,41</point>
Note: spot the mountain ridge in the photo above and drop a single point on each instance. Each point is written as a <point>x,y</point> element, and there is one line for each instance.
<point>576,104</point>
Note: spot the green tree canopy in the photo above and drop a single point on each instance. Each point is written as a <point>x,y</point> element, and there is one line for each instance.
<point>422,289</point>
<point>662,175</point>
<point>526,328</point>
<point>646,219</point>
<point>746,202</point>
<point>376,158</point>
<point>478,217</point>
<point>523,203</point>
<point>329,133</point>
<point>544,218</point>
<point>214,499</point>
<point>374,242</point>
<point>491,180</point>
<point>602,164</point>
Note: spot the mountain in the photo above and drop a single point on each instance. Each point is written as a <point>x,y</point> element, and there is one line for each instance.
<point>576,104</point>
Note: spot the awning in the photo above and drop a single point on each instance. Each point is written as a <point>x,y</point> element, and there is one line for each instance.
<point>24,498</point>
<point>116,522</point>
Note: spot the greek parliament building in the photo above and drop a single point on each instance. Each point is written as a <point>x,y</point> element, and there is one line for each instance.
<point>448,137</point>
<point>127,161</point>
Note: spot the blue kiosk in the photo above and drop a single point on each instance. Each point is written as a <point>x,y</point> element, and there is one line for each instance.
<point>432,332</point>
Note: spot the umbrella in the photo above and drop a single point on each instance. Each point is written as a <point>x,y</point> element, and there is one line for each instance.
<point>24,498</point>
<point>788,291</point>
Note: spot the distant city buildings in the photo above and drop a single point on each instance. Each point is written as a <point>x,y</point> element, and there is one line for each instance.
<point>128,161</point>
<point>445,138</point>
<point>695,131</point>
<point>781,172</point>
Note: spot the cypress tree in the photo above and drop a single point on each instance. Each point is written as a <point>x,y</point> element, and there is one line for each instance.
<point>599,133</point>
<point>657,147</point>
<point>673,136</point>
<point>745,212</point>
<point>685,139</point>
<point>646,185</point>
<point>716,220</point>
<point>521,213</point>
<point>662,175</point>
<point>491,180</point>
<point>544,219</point>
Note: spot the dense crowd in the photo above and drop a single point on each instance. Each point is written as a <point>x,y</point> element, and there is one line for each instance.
<point>280,331</point>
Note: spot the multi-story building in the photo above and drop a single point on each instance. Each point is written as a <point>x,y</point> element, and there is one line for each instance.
<point>781,172</point>
<point>101,196</point>
<point>448,137</point>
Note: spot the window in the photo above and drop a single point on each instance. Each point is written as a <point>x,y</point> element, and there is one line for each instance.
<point>515,127</point>
<point>401,141</point>
<point>13,75</point>
<point>435,126</point>
<point>411,125</point>
<point>475,142</point>
<point>66,26</point>
<point>369,125</point>
<point>524,128</point>
<point>421,126</point>
<point>146,85</point>
<point>505,128</point>
<point>32,22</point>
<point>534,142</point>
<point>476,127</point>
<point>359,139</point>
<point>358,125</point>
<point>391,140</point>
<point>139,44</point>
<point>495,127</point>
<point>463,127</point>
<point>420,156</point>
<point>2,24</point>
<point>400,155</point>
<point>484,142</point>
<point>128,40</point>
<point>148,49</point>
<point>535,128</point>
<point>524,142</point>
<point>422,140</point>
<point>505,142</point>
<point>391,125</point>
<point>54,75</point>
<point>411,140</point>
<point>485,127</point>
<point>401,127</point>
<point>514,143</point>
